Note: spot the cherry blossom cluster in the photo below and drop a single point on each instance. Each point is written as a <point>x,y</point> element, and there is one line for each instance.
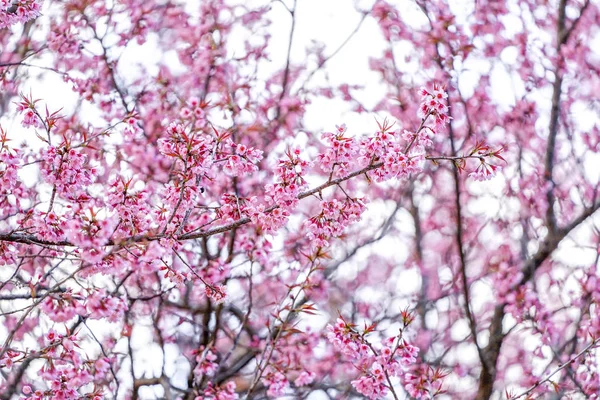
<point>66,169</point>
<point>289,176</point>
<point>589,377</point>
<point>64,39</point>
<point>206,365</point>
<point>238,159</point>
<point>242,161</point>
<point>424,382</point>
<point>433,104</point>
<point>18,11</point>
<point>225,392</point>
<point>400,154</point>
<point>485,171</point>
<point>11,191</point>
<point>280,197</point>
<point>50,225</point>
<point>420,140</point>
<point>100,305</point>
<point>289,366</point>
<point>194,110</point>
<point>62,307</point>
<point>397,163</point>
<point>232,208</point>
<point>276,382</point>
<point>91,232</point>
<point>213,276</point>
<point>192,152</point>
<point>340,157</point>
<point>215,271</point>
<point>334,218</point>
<point>8,358</point>
<point>195,153</point>
<point>257,249</point>
<point>216,293</point>
<point>31,116</point>
<point>68,374</point>
<point>132,206</point>
<point>174,275</point>
<point>377,367</point>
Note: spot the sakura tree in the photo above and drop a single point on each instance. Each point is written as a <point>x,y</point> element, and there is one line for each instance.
<point>181,231</point>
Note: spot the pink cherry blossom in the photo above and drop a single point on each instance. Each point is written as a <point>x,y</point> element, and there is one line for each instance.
<point>181,217</point>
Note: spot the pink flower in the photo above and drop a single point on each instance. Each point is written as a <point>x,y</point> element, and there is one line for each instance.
<point>485,171</point>
<point>216,293</point>
<point>206,363</point>
<point>276,383</point>
<point>305,378</point>
<point>370,387</point>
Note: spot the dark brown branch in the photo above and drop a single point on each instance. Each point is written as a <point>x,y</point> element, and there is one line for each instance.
<point>554,117</point>
<point>461,249</point>
<point>32,239</point>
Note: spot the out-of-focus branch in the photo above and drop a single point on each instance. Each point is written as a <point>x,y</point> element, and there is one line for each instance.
<point>554,116</point>
<point>557,370</point>
<point>547,247</point>
<point>286,72</point>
